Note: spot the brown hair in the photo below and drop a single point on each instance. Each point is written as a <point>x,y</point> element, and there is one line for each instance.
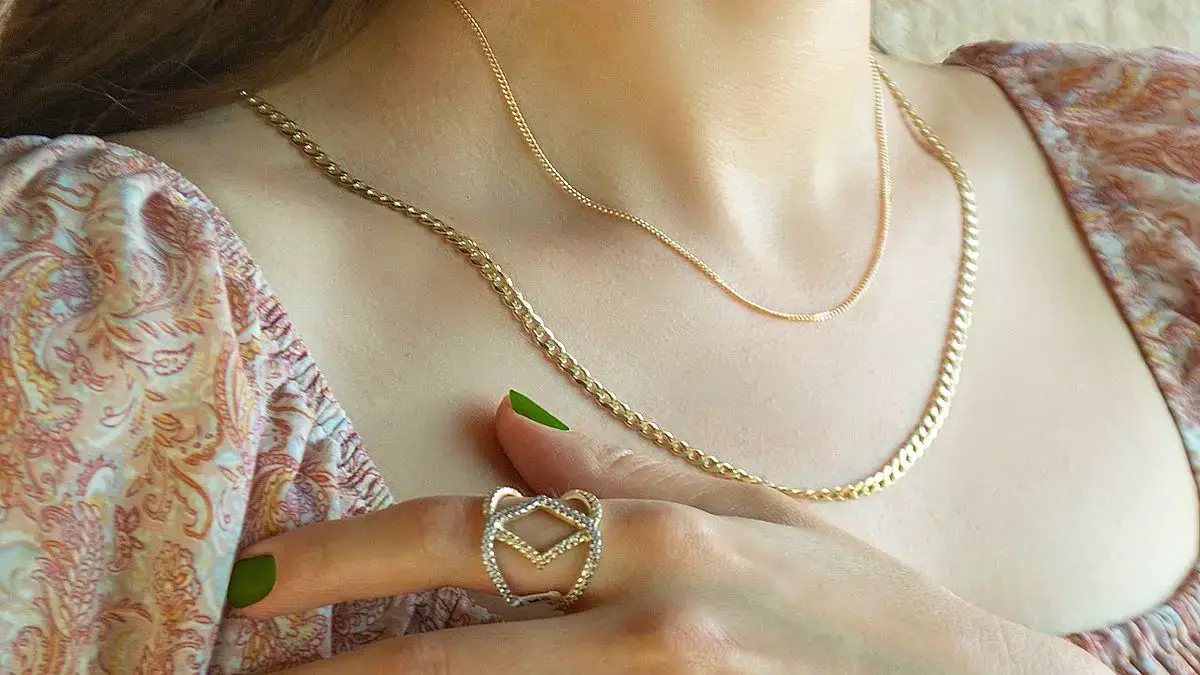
<point>106,66</point>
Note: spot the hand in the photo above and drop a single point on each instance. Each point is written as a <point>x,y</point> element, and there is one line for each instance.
<point>698,575</point>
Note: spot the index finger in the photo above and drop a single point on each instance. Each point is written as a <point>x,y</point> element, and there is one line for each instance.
<point>416,545</point>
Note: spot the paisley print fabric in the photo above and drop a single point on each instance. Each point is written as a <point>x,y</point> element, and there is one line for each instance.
<point>158,411</point>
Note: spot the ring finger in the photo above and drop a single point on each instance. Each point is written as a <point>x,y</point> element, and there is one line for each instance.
<point>435,542</point>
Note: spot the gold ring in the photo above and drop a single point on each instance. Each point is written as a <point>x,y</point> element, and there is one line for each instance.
<point>587,531</point>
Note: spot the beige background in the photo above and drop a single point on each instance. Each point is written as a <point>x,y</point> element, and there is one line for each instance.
<point>928,29</point>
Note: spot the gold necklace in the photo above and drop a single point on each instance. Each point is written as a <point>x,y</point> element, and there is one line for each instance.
<point>885,192</point>
<point>937,407</point>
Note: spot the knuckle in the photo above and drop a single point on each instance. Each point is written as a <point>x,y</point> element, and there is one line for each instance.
<point>622,461</point>
<point>678,636</point>
<point>762,503</point>
<point>754,502</point>
<point>432,524</point>
<point>667,529</point>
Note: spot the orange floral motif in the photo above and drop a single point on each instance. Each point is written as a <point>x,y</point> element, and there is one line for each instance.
<point>158,411</point>
<point>125,541</point>
<point>182,630</point>
<point>167,484</point>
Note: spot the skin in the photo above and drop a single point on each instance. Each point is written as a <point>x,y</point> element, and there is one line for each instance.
<point>743,129</point>
<point>749,590</point>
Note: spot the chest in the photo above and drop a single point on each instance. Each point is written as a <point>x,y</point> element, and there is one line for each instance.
<point>1058,494</point>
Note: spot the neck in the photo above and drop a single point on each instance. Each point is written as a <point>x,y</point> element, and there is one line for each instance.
<point>732,107</point>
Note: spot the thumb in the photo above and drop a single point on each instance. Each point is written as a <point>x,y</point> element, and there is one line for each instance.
<point>553,459</point>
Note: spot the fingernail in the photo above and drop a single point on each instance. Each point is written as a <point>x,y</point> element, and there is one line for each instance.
<point>252,579</point>
<point>525,407</point>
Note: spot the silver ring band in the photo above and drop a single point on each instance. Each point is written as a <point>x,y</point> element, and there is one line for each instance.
<point>587,531</point>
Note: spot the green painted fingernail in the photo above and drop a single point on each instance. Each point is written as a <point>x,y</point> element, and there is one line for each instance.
<point>525,407</point>
<point>252,579</point>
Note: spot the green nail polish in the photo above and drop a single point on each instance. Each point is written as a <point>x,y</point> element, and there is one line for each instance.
<point>252,579</point>
<point>523,406</point>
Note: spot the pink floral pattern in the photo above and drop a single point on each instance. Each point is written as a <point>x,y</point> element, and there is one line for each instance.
<point>158,411</point>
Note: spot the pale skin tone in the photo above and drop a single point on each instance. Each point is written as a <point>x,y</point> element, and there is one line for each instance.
<point>757,583</point>
<point>743,129</point>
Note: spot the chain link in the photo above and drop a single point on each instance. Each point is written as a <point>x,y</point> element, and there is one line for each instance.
<point>931,420</point>
<point>885,192</point>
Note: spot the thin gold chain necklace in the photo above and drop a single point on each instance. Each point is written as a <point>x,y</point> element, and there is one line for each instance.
<point>885,192</point>
<point>920,437</point>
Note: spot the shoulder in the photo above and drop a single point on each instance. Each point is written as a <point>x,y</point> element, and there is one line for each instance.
<point>1120,130</point>
<point>1087,84</point>
<point>156,409</point>
<point>80,195</point>
<point>115,277</point>
<point>99,237</point>
<point>66,177</point>
<point>127,224</point>
<point>123,396</point>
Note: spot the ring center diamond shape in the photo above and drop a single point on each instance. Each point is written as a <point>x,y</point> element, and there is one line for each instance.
<point>587,531</point>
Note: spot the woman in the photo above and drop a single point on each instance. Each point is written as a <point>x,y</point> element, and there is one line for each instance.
<point>162,417</point>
